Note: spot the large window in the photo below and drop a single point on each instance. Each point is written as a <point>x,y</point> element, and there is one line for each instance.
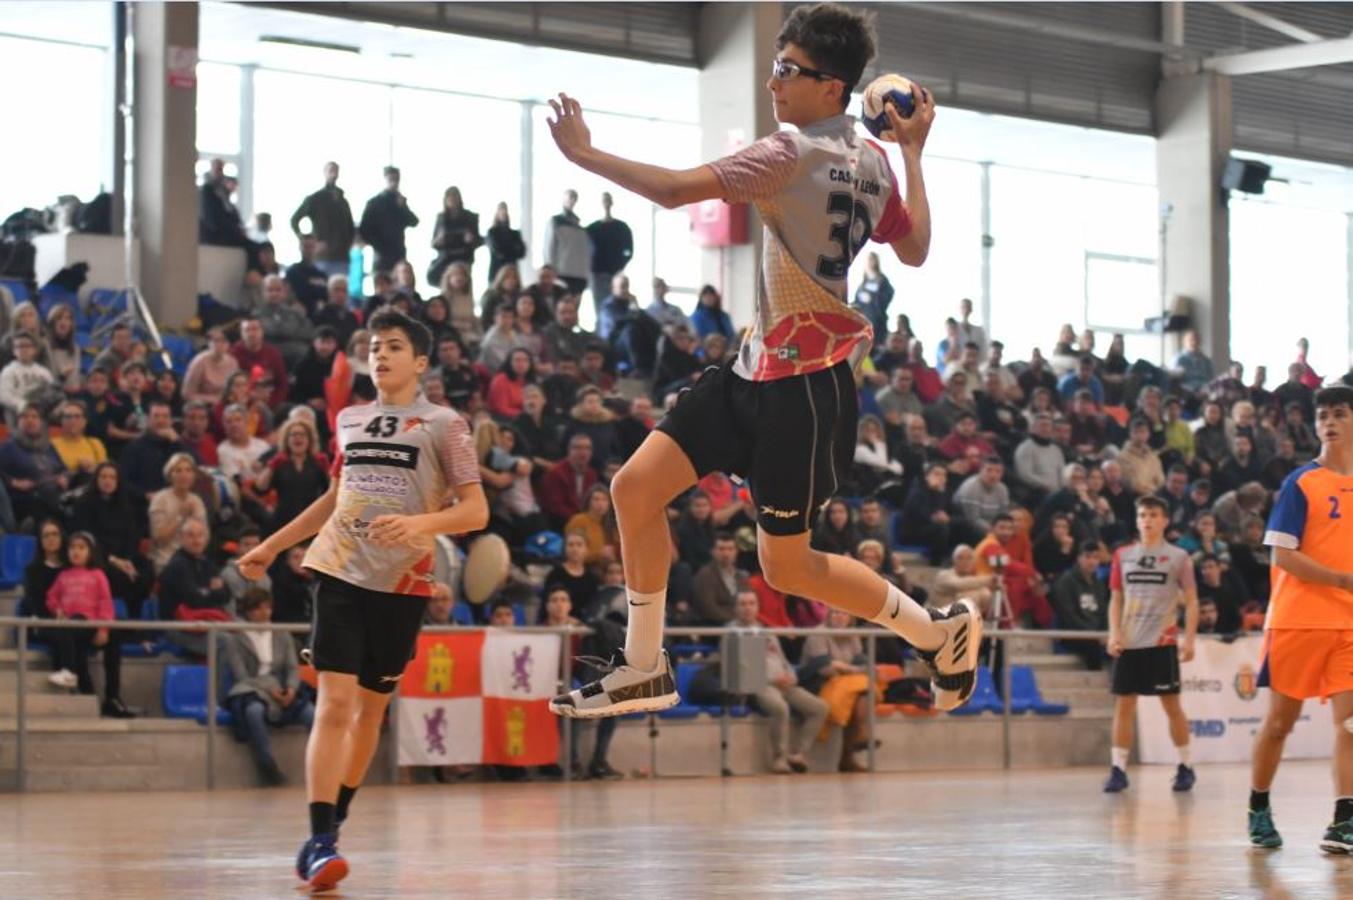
<point>56,143</point>
<point>440,140</point>
<point>1289,279</point>
<point>661,143</point>
<point>300,123</point>
<point>1046,229</point>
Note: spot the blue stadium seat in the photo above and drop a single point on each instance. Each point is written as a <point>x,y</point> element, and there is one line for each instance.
<point>150,610</point>
<point>1025,695</point>
<point>685,673</point>
<point>52,297</point>
<point>462,613</point>
<point>17,289</point>
<point>16,552</point>
<point>682,651</point>
<point>984,697</point>
<point>185,695</point>
<point>180,349</point>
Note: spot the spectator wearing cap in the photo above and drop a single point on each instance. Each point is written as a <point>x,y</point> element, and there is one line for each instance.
<point>1039,461</point>
<point>1199,499</point>
<point>1083,378</point>
<point>384,221</point>
<point>252,351</point>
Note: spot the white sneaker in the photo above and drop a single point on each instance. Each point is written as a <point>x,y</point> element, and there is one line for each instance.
<point>621,690</point>
<point>63,678</point>
<point>953,667</point>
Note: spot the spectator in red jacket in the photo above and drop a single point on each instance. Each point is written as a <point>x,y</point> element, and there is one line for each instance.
<point>925,381</point>
<point>251,350</point>
<point>964,436</point>
<point>1001,553</point>
<point>566,483</point>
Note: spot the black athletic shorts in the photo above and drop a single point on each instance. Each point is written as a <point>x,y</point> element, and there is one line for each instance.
<point>792,439</point>
<point>370,634</point>
<point>1147,671</point>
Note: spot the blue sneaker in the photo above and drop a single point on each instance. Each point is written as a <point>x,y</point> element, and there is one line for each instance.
<point>1263,833</point>
<point>320,865</point>
<point>1118,781</point>
<point>1184,779</point>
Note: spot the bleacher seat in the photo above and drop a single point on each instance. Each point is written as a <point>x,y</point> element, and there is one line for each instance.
<point>185,695</point>
<point>685,673</point>
<point>1025,695</point>
<point>462,613</point>
<point>17,289</point>
<point>16,552</point>
<point>683,651</point>
<point>984,697</point>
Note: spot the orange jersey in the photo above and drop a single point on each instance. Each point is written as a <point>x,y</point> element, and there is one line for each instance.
<point>1314,514</point>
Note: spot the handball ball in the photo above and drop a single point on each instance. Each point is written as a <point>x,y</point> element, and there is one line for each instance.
<point>878,94</point>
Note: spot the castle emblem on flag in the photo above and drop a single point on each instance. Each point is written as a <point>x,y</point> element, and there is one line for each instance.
<point>440,668</point>
<point>522,664</point>
<point>516,731</point>
<point>435,731</point>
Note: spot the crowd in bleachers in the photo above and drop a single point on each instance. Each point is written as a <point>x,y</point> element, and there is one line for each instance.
<point>1018,478</point>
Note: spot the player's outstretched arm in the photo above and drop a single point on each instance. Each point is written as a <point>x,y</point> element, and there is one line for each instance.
<point>910,134</point>
<point>668,188</point>
<point>254,563</point>
<point>1307,569</point>
<point>470,514</point>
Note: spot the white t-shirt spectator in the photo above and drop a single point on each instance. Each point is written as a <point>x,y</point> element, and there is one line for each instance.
<point>17,379</point>
<point>241,461</point>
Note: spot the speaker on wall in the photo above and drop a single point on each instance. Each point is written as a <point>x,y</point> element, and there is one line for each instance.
<point>1245,175</point>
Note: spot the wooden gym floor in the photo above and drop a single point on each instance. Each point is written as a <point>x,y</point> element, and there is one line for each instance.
<point>1031,834</point>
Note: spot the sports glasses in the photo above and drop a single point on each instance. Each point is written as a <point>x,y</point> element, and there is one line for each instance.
<point>787,70</point>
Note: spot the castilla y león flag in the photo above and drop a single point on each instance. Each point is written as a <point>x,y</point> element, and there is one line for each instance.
<point>480,697</point>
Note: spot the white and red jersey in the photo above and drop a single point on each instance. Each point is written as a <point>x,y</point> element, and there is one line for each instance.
<point>821,192</point>
<point>392,460</point>
<point>1153,580</point>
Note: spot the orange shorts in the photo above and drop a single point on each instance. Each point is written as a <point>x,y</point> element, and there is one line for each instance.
<point>1307,662</point>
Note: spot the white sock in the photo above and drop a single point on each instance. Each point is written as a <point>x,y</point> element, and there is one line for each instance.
<point>904,616</point>
<point>1120,757</point>
<point>1185,754</point>
<point>643,634</point>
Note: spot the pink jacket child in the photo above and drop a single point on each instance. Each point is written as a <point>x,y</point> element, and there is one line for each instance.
<point>82,592</point>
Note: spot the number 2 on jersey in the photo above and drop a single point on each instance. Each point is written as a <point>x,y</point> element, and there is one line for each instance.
<point>382,426</point>
<point>840,203</point>
<point>1334,507</point>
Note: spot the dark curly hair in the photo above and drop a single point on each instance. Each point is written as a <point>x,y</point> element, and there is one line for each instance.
<point>838,40</point>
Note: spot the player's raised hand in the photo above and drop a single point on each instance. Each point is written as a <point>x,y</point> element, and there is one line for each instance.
<point>911,133</point>
<point>255,563</point>
<point>568,129</point>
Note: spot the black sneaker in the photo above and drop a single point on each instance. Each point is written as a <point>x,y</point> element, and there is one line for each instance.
<point>603,771</point>
<point>953,666</point>
<point>116,709</point>
<point>1117,781</point>
<point>621,690</point>
<point>1184,779</point>
<point>1338,838</point>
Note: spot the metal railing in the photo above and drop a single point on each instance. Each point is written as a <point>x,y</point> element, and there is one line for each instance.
<point>870,636</point>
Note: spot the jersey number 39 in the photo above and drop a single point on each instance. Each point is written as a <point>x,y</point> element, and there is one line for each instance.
<point>854,217</point>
